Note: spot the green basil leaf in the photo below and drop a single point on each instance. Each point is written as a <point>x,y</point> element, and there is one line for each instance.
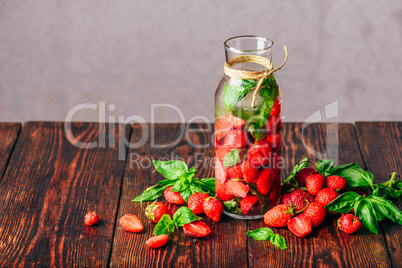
<point>386,209</point>
<point>353,174</point>
<point>164,226</point>
<point>343,203</point>
<point>232,158</point>
<point>208,185</point>
<point>183,216</point>
<point>367,216</point>
<point>150,194</point>
<point>233,206</point>
<point>278,241</point>
<point>180,185</point>
<point>324,165</point>
<point>394,193</point>
<point>185,194</point>
<point>302,164</point>
<point>261,233</point>
<point>196,188</point>
<point>189,175</point>
<point>233,93</point>
<point>170,169</point>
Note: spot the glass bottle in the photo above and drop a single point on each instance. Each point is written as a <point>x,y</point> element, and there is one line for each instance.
<point>248,144</point>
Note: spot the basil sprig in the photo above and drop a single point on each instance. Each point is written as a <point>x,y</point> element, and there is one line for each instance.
<point>267,234</point>
<point>302,164</point>
<point>181,178</point>
<point>182,216</point>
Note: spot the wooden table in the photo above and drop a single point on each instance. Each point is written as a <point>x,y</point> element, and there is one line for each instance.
<point>48,185</point>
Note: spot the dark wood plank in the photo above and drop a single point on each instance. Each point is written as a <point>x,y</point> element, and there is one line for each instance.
<point>226,246</point>
<point>48,187</point>
<point>8,136</point>
<point>326,246</point>
<point>381,144</point>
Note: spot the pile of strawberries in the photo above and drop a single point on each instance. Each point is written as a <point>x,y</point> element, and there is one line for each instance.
<point>301,210</point>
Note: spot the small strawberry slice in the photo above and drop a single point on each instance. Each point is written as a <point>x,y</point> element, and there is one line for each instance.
<point>235,121</point>
<point>300,225</point>
<point>173,197</point>
<point>220,153</point>
<point>236,139</point>
<point>237,188</point>
<point>196,202</point>
<point>246,203</point>
<point>265,181</point>
<point>131,223</point>
<point>91,218</point>
<point>220,172</point>
<point>196,229</point>
<point>276,109</point>
<point>213,209</point>
<point>221,191</point>
<point>222,127</point>
<point>157,241</point>
<point>250,173</point>
<point>260,153</point>
<point>235,172</point>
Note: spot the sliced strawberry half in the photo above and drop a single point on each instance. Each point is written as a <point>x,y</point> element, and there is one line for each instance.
<point>157,241</point>
<point>220,172</point>
<point>131,223</point>
<point>236,139</point>
<point>260,153</point>
<point>222,127</point>
<point>237,188</point>
<point>235,121</point>
<point>300,225</point>
<point>235,172</point>
<point>196,229</point>
<point>250,173</point>
<point>246,203</point>
<point>221,191</point>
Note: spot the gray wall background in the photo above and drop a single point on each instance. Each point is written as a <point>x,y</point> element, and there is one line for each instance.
<point>57,54</point>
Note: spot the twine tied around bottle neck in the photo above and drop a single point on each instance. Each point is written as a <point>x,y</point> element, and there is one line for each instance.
<point>244,74</point>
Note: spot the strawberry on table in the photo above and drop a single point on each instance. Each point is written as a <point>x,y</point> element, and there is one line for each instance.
<point>222,127</point>
<point>316,213</point>
<point>286,199</point>
<point>91,218</point>
<point>235,172</point>
<point>300,225</point>
<point>246,203</point>
<point>265,181</point>
<point>326,195</point>
<point>196,229</point>
<point>213,209</point>
<point>237,188</point>
<point>196,202</point>
<point>314,183</point>
<point>220,173</point>
<point>302,175</point>
<point>155,211</point>
<point>157,241</point>
<point>173,197</point>
<point>131,223</point>
<point>278,216</point>
<point>250,173</point>
<point>236,139</point>
<point>221,191</point>
<point>299,199</point>
<point>336,183</point>
<point>260,153</point>
<point>349,223</point>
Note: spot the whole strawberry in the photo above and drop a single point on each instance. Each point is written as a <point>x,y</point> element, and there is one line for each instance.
<point>286,199</point>
<point>336,183</point>
<point>299,199</point>
<point>155,211</point>
<point>349,223</point>
<point>278,216</point>
<point>91,218</point>
<point>196,202</point>
<point>326,195</point>
<point>314,183</point>
<point>265,181</point>
<point>316,213</point>
<point>302,175</point>
<point>300,225</point>
<point>173,197</point>
<point>213,209</point>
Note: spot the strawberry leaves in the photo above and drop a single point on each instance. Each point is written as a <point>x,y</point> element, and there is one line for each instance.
<point>267,234</point>
<point>182,216</point>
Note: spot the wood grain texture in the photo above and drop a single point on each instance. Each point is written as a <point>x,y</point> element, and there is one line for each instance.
<point>8,136</point>
<point>225,247</point>
<point>381,145</point>
<point>47,189</point>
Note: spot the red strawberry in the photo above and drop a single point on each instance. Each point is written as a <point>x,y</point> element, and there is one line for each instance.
<point>265,181</point>
<point>220,172</point>
<point>157,241</point>
<point>278,216</point>
<point>213,209</point>
<point>131,223</point>
<point>235,121</point>
<point>221,191</point>
<point>196,229</point>
<point>220,153</point>
<point>222,127</point>
<point>326,195</point>
<point>274,125</point>
<point>235,172</point>
<point>260,153</point>
<point>314,183</point>
<point>300,225</point>
<point>173,197</point>
<point>302,175</point>
<point>155,211</point>
<point>236,139</point>
<point>246,203</point>
<point>336,183</point>
<point>196,202</point>
<point>275,141</point>
<point>250,173</point>
<point>349,223</point>
<point>316,213</point>
<point>275,194</point>
<point>237,188</point>
<point>276,109</point>
<point>91,218</point>
<point>286,199</point>
<point>299,199</point>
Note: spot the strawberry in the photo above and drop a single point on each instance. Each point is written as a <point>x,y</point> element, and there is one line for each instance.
<point>349,223</point>
<point>302,175</point>
<point>278,216</point>
<point>173,197</point>
<point>196,229</point>
<point>250,173</point>
<point>286,199</point>
<point>275,141</point>
<point>237,188</point>
<point>236,139</point>
<point>213,209</point>
<point>326,195</point>
<point>300,225</point>
<point>131,223</point>
<point>316,213</point>
<point>275,194</point>
<point>235,172</point>
<point>260,153</point>
<point>336,183</point>
<point>235,121</point>
<point>246,203</point>
<point>265,181</point>
<point>274,125</point>
<point>276,109</point>
<point>220,153</point>
<point>157,241</point>
<point>91,218</point>
<point>220,172</point>
<point>155,211</point>
<point>299,199</point>
<point>196,202</point>
<point>222,127</point>
<point>314,183</point>
<point>221,191</point>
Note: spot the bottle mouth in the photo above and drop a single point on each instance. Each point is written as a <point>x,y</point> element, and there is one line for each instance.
<point>248,43</point>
